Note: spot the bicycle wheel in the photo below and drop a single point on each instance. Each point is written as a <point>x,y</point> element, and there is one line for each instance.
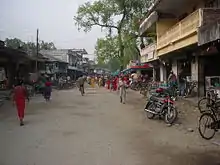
<point>210,124</point>
<point>204,104</point>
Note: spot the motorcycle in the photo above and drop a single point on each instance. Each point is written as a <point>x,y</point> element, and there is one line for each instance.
<point>164,91</point>
<point>162,107</point>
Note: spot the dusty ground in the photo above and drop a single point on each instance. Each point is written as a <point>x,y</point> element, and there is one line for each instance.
<point>97,130</point>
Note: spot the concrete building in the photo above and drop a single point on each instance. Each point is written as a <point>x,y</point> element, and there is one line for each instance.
<point>187,38</point>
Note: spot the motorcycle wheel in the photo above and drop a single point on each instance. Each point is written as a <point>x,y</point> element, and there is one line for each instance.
<point>170,118</point>
<point>148,114</point>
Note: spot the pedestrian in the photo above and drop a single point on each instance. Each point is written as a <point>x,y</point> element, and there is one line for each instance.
<point>122,90</point>
<point>80,83</point>
<point>93,82</point>
<point>47,89</point>
<point>114,83</point>
<point>20,95</point>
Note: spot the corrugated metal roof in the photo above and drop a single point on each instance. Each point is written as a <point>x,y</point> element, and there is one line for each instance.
<point>50,57</point>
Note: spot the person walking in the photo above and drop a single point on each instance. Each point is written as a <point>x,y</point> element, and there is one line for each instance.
<point>122,90</point>
<point>80,83</point>
<point>47,89</point>
<point>93,82</point>
<point>20,95</point>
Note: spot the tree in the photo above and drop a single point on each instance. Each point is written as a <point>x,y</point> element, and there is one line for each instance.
<point>108,14</point>
<point>106,49</point>
<point>123,16</point>
<point>47,45</point>
<point>107,52</point>
<point>16,43</point>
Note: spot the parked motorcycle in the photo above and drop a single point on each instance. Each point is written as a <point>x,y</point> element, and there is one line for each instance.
<point>162,107</point>
<point>165,91</point>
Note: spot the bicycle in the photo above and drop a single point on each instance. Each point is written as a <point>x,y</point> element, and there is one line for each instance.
<point>213,115</point>
<point>189,88</point>
<point>210,99</point>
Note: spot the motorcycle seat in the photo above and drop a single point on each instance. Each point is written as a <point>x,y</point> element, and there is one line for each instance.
<point>154,98</point>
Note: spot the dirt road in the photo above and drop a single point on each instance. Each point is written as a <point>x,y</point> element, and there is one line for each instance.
<point>97,130</point>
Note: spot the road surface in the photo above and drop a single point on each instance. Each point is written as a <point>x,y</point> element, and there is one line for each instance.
<point>96,130</point>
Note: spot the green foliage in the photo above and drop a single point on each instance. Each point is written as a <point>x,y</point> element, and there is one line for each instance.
<point>106,49</point>
<point>99,13</point>
<point>16,43</point>
<point>47,45</point>
<point>114,64</point>
<point>122,15</point>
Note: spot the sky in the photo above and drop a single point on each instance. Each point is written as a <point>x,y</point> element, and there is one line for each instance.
<point>54,18</point>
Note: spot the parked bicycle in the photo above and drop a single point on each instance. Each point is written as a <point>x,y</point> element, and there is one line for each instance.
<point>211,98</point>
<point>210,120</point>
<point>190,87</point>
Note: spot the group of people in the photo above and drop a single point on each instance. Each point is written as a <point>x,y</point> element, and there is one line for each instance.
<point>118,83</point>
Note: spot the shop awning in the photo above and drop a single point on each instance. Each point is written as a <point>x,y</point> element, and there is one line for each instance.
<point>126,70</point>
<point>116,73</point>
<point>144,66</point>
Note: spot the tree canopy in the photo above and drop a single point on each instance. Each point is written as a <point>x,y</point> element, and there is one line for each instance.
<point>120,19</point>
<point>16,43</point>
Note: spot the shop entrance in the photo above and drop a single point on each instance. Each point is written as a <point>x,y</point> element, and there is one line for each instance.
<point>184,65</point>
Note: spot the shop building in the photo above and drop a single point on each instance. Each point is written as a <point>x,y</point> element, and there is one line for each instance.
<point>187,34</point>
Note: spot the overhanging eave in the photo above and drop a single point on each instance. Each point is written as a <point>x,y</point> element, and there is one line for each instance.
<point>148,22</point>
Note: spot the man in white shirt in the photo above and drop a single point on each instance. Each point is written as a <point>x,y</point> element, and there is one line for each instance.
<point>122,90</point>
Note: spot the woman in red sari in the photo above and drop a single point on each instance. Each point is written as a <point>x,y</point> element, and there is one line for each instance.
<point>20,94</point>
<point>116,83</point>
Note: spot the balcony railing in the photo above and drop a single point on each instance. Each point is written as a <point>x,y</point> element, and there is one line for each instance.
<point>148,52</point>
<point>181,30</point>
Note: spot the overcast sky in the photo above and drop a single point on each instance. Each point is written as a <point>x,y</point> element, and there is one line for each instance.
<point>54,18</point>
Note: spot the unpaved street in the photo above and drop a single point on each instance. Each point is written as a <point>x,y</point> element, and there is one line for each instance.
<point>97,130</point>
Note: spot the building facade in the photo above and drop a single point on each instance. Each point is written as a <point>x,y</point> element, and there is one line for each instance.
<point>187,34</point>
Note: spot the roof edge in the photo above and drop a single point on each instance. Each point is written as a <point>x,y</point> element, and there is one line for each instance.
<point>152,9</point>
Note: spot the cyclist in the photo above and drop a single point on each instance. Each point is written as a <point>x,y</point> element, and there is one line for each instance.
<point>80,82</point>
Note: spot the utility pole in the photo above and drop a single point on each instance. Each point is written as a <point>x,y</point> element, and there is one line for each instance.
<point>37,52</point>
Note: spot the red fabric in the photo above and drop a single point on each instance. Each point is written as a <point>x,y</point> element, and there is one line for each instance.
<point>48,84</point>
<point>114,84</point>
<point>145,66</point>
<point>19,98</point>
<point>126,80</point>
<point>117,80</point>
<point>108,84</point>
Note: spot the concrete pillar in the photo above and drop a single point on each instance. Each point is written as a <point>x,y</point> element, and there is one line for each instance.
<point>174,67</point>
<point>163,73</point>
<point>201,77</point>
<point>195,69</point>
<point>197,74</point>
